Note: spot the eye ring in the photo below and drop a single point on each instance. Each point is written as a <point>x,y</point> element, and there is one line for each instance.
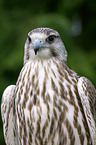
<point>50,38</point>
<point>29,39</point>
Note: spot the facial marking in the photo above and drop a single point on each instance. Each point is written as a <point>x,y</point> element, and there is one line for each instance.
<point>49,45</point>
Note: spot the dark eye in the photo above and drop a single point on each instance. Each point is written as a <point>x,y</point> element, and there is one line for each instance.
<point>29,39</point>
<point>50,38</point>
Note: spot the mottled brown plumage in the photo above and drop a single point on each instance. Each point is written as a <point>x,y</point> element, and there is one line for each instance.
<point>50,104</point>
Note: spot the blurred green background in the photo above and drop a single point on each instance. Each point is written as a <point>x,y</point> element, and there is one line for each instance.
<point>74,20</point>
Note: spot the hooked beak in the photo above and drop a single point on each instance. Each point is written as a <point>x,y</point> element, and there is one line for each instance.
<point>37,45</point>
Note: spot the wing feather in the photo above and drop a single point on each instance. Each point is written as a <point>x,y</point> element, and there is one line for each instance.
<point>87,94</point>
<point>7,110</point>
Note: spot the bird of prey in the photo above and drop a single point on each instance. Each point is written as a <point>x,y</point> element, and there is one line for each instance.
<point>50,104</point>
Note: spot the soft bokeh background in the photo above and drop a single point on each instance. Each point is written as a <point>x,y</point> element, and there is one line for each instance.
<point>74,20</point>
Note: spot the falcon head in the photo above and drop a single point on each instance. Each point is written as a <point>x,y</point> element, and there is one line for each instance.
<point>44,43</point>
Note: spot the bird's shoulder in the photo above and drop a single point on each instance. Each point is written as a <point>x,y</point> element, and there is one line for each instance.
<point>7,112</point>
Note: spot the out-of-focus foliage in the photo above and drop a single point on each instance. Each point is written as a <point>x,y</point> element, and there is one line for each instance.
<point>74,20</point>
